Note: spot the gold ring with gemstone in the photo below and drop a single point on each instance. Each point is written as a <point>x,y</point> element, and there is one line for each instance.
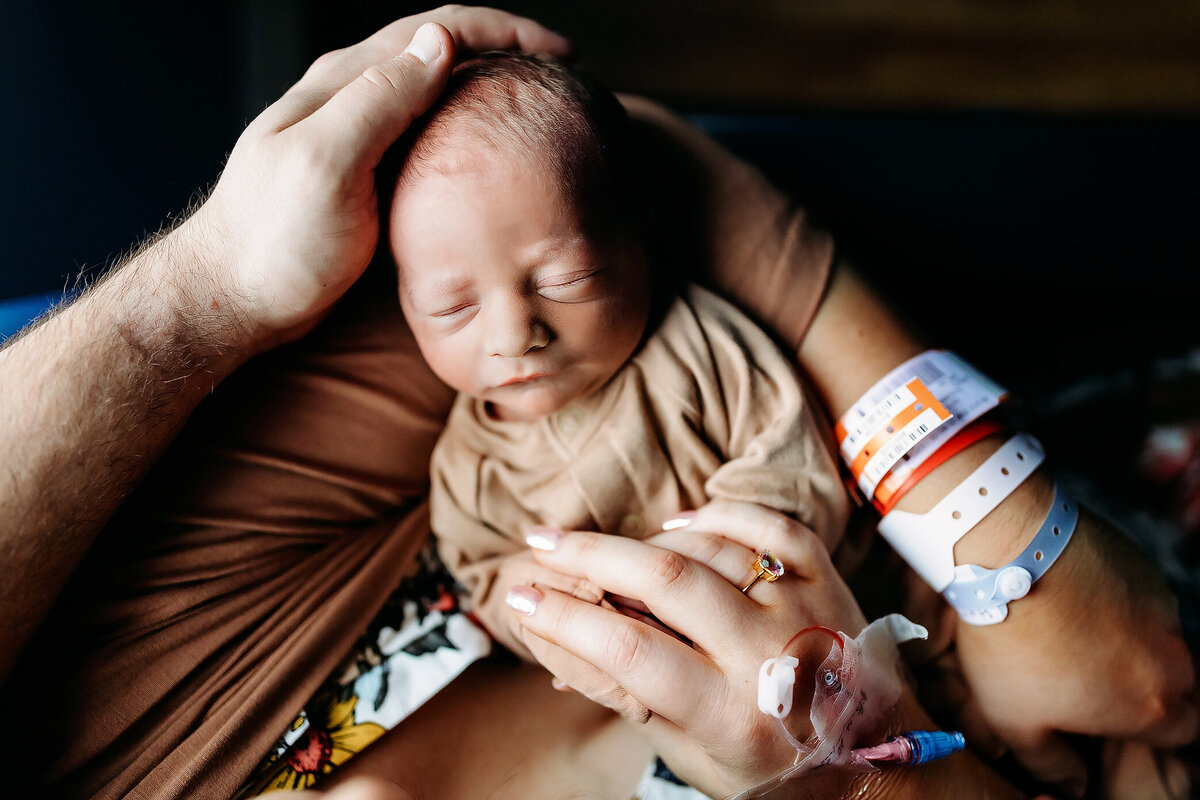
<point>766,567</point>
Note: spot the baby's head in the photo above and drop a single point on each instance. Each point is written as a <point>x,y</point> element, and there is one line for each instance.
<point>519,273</point>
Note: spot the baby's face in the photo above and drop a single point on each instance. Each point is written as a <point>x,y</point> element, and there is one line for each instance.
<point>509,297</point>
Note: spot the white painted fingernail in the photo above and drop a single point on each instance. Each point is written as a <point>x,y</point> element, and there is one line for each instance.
<point>680,520</point>
<point>523,599</point>
<point>426,44</point>
<point>543,537</point>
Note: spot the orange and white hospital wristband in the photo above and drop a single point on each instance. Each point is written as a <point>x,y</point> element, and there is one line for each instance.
<point>907,416</point>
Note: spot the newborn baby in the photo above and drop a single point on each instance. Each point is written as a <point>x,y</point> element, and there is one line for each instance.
<point>592,396</point>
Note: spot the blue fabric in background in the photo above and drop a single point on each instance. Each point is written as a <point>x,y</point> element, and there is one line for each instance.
<point>18,312</point>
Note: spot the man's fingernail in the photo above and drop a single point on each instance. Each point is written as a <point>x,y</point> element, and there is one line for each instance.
<point>523,599</point>
<point>560,685</point>
<point>543,537</point>
<point>680,520</point>
<point>426,44</point>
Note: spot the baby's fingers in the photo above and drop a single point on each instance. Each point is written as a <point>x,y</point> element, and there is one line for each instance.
<point>521,569</point>
<point>577,675</point>
<point>642,661</point>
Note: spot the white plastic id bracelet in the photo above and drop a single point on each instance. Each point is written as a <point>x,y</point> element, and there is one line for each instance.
<point>981,596</point>
<point>908,415</point>
<point>926,541</point>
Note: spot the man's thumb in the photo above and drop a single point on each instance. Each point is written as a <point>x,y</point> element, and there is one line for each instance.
<point>366,117</point>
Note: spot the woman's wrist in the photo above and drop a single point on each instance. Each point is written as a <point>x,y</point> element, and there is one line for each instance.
<point>959,775</point>
<point>1002,534</point>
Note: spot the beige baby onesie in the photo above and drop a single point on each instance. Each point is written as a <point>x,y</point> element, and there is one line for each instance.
<point>708,408</point>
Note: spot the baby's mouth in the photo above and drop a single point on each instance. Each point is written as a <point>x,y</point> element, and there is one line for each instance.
<point>517,381</point>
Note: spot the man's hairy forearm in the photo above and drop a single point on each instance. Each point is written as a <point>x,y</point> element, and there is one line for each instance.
<point>88,399</point>
<point>91,397</point>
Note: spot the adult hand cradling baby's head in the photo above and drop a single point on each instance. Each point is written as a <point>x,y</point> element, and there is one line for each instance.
<point>294,219</point>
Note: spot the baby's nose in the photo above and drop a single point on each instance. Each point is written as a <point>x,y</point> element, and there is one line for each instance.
<point>514,335</point>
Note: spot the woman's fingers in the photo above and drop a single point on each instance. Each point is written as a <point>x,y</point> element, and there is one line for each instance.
<point>674,588</point>
<point>700,709</point>
<point>647,663</point>
<point>760,529</point>
<point>727,536</point>
<point>734,562</point>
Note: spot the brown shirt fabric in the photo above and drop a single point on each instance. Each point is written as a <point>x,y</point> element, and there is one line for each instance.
<point>708,408</point>
<point>242,570</point>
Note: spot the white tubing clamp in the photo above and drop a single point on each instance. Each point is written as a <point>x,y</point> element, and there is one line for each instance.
<point>776,678</point>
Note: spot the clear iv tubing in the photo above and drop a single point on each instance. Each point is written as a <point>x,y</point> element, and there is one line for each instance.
<point>816,629</point>
<point>822,629</point>
<point>908,749</point>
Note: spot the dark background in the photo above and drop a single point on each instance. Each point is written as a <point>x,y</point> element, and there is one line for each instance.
<point>1035,165</point>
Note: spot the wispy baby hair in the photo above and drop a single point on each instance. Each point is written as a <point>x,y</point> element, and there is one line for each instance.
<point>535,105</point>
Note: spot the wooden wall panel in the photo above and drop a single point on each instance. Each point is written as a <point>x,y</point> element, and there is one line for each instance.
<point>1055,55</point>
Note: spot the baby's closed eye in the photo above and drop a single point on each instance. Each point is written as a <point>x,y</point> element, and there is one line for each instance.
<point>570,286</point>
<point>451,318</point>
<point>454,310</point>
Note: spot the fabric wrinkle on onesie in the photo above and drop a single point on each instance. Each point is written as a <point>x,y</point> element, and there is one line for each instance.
<point>708,408</point>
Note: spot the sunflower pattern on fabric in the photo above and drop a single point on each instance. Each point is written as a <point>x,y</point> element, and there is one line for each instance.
<point>326,737</point>
<point>419,641</point>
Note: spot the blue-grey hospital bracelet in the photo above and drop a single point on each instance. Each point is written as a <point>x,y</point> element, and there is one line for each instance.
<point>981,596</point>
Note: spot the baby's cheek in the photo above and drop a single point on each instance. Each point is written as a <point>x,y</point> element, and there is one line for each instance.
<point>626,326</point>
<point>451,365</point>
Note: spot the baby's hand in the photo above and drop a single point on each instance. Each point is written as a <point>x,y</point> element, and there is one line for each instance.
<point>521,569</point>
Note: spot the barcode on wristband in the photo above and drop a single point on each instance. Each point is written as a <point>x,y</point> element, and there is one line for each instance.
<point>868,426</point>
<point>868,434</point>
<point>906,439</point>
<point>928,372</point>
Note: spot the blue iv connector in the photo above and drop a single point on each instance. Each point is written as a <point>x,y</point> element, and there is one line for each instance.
<point>929,746</point>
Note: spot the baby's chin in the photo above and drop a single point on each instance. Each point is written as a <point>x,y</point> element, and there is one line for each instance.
<point>530,405</point>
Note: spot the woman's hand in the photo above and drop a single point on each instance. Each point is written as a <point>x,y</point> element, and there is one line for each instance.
<point>706,721</point>
<point>294,219</point>
<point>1096,649</point>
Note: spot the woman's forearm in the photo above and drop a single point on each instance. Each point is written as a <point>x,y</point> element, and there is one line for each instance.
<point>854,340</point>
<point>90,397</point>
<point>960,775</point>
<point>1128,677</point>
